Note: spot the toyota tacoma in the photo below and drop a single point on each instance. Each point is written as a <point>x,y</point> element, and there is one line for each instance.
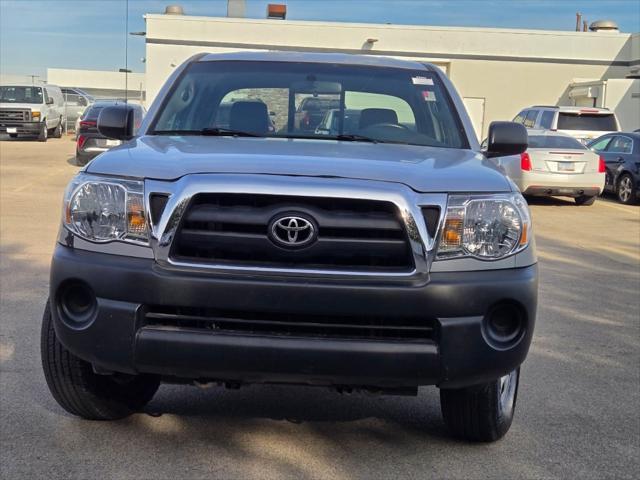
<point>389,254</point>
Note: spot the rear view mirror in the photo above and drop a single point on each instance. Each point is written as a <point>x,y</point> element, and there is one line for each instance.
<point>117,122</point>
<point>50,101</point>
<point>506,138</point>
<point>316,88</point>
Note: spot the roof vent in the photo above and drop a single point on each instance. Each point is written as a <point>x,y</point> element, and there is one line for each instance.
<point>604,26</point>
<point>174,10</point>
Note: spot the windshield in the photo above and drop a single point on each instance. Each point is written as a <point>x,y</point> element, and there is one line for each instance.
<point>10,94</point>
<point>312,100</point>
<point>590,122</point>
<point>554,141</point>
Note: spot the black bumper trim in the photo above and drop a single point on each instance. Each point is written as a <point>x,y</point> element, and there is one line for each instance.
<point>562,191</point>
<point>256,359</point>
<point>117,338</point>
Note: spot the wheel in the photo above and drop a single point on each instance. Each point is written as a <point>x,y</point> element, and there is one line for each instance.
<point>585,200</point>
<point>57,132</point>
<point>481,413</point>
<point>44,133</point>
<point>82,392</point>
<point>625,189</point>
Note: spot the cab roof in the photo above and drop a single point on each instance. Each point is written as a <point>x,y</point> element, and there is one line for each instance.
<point>314,57</point>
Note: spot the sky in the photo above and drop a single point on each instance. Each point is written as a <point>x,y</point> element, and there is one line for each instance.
<point>90,34</point>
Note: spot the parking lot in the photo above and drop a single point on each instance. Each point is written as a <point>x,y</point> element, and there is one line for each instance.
<point>577,413</point>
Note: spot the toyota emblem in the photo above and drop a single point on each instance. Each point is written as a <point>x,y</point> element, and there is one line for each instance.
<point>292,231</point>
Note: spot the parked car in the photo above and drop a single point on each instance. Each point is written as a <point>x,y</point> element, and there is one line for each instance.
<point>375,262</point>
<point>621,154</point>
<point>312,110</point>
<point>556,165</point>
<point>89,141</point>
<point>582,123</point>
<point>75,103</point>
<point>31,110</point>
<point>330,124</point>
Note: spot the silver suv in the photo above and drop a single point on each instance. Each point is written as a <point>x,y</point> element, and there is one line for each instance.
<point>380,257</point>
<point>581,123</point>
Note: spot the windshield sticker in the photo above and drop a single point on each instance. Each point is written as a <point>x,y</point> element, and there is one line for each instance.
<point>422,81</point>
<point>429,96</point>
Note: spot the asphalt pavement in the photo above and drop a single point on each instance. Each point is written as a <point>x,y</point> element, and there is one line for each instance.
<point>577,412</point>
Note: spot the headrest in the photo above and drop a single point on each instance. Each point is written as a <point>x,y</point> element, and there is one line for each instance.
<point>249,116</point>
<point>373,116</point>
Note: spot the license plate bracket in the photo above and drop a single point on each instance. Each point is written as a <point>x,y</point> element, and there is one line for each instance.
<point>566,167</point>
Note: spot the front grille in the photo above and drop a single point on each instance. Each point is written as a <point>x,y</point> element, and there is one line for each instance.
<point>351,234</point>
<point>14,115</point>
<point>283,324</point>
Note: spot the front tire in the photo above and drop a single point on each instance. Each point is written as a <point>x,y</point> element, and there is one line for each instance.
<point>44,133</point>
<point>585,200</point>
<point>625,189</point>
<point>82,392</point>
<point>481,413</point>
<point>57,132</point>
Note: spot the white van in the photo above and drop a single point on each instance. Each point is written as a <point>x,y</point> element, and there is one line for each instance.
<point>581,123</point>
<point>31,110</point>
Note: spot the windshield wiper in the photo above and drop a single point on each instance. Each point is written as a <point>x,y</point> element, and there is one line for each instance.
<point>210,131</point>
<point>220,132</point>
<point>352,137</point>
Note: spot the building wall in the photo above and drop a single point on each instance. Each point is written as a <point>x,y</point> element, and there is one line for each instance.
<point>497,71</point>
<point>621,95</point>
<point>101,84</point>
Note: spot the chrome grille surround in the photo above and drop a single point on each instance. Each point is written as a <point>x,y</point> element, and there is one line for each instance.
<point>181,192</point>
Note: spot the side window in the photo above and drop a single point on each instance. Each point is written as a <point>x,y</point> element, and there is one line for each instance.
<point>72,99</point>
<point>620,145</point>
<point>600,145</point>
<point>520,117</point>
<point>530,120</point>
<point>547,119</point>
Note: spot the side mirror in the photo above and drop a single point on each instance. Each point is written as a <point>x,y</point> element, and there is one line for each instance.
<point>50,101</point>
<point>117,122</point>
<point>506,138</point>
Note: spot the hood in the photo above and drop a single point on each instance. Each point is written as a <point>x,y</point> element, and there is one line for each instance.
<point>424,169</point>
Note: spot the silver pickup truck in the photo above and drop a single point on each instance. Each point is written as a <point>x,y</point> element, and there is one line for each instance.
<point>239,248</point>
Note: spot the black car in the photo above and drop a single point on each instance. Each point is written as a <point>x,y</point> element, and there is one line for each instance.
<point>621,154</point>
<point>89,142</point>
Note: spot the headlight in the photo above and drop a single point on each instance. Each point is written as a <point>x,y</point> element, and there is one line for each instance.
<point>35,114</point>
<point>102,209</point>
<point>488,227</point>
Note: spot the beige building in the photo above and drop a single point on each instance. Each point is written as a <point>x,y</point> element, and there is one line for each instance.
<point>497,71</point>
<point>100,83</point>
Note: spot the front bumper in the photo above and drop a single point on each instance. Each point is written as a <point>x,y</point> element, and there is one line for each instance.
<point>22,128</point>
<point>117,337</point>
